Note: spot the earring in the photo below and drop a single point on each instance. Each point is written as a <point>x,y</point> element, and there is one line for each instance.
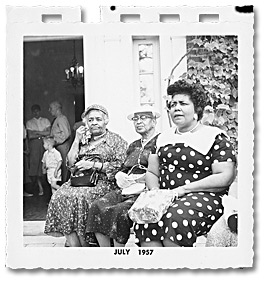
<point>195,117</point>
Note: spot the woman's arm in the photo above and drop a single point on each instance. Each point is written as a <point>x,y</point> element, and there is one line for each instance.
<point>152,174</point>
<point>223,174</point>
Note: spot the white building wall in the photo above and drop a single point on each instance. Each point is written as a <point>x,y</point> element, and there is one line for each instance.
<point>109,78</point>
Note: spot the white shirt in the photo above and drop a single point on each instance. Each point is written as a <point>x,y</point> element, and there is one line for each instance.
<point>39,124</point>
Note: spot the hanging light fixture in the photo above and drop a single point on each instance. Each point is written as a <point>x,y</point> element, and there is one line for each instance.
<point>75,72</point>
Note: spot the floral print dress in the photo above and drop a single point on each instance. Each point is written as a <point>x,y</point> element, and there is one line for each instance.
<point>68,208</point>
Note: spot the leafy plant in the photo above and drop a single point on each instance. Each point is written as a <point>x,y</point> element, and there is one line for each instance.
<point>214,64</point>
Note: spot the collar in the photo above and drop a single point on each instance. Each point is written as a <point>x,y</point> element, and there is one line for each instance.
<point>201,140</point>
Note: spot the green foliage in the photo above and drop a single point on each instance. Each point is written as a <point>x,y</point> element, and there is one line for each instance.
<point>217,71</point>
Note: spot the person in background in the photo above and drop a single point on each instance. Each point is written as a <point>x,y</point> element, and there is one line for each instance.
<point>51,163</point>
<point>197,163</point>
<point>61,133</point>
<point>26,179</point>
<point>68,207</point>
<point>108,217</point>
<point>37,128</point>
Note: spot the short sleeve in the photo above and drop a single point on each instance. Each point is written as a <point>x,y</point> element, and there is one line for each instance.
<point>222,150</point>
<point>58,156</point>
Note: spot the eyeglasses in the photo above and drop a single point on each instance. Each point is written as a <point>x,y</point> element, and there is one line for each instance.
<point>142,118</point>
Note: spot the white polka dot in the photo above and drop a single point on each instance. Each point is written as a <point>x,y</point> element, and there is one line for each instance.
<point>227,144</point>
<point>205,199</point>
<point>165,148</point>
<point>191,212</point>
<point>233,152</point>
<point>185,145</point>
<point>146,226</point>
<point>185,223</point>
<point>187,204</point>
<point>189,235</point>
<point>159,153</point>
<point>213,218</point>
<point>162,238</point>
<point>174,225</point>
<point>191,165</point>
<point>179,175</point>
<point>206,168</point>
<point>169,155</point>
<point>175,162</point>
<point>160,223</point>
<point>164,160</point>
<point>216,202</point>
<point>199,204</point>
<point>180,211</point>
<point>189,194</point>
<point>175,206</point>
<point>182,168</point>
<point>168,215</point>
<point>162,171</point>
<point>201,193</point>
<point>192,153</point>
<point>215,161</point>
<point>195,176</point>
<point>212,194</point>
<point>207,157</point>
<point>200,214</point>
<point>178,149</point>
<point>199,162</point>
<point>172,182</point>
<point>137,240</point>
<point>193,223</point>
<point>137,227</point>
<point>163,184</point>
<point>229,159</point>
<point>222,153</point>
<point>194,197</point>
<point>171,238</point>
<point>179,237</point>
<point>171,168</point>
<point>220,211</point>
<point>167,177</point>
<point>209,207</point>
<point>166,229</point>
<point>216,147</point>
<point>183,157</point>
<point>203,223</point>
<point>197,171</point>
<point>187,181</point>
<point>147,239</point>
<point>154,232</point>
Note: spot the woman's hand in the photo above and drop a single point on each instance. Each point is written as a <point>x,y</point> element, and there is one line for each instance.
<point>84,165</point>
<point>80,132</point>
<point>123,180</point>
<point>181,191</point>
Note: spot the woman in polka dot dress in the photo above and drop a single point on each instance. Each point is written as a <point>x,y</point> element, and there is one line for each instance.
<point>197,162</point>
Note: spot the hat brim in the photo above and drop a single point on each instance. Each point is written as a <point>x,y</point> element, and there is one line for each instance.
<point>154,114</point>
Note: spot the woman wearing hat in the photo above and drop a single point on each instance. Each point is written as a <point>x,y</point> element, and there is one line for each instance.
<point>68,207</point>
<point>108,216</point>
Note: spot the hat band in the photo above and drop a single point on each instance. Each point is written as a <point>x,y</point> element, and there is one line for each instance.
<point>145,113</point>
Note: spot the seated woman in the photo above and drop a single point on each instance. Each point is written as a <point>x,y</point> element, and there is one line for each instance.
<point>68,207</point>
<point>197,162</point>
<point>107,217</point>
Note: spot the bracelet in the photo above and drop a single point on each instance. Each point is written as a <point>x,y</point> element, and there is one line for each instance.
<point>154,188</point>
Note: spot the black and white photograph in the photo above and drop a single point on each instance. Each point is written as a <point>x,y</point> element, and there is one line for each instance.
<point>135,138</point>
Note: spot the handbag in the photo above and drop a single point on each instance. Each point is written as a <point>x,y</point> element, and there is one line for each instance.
<point>151,206</point>
<point>89,177</point>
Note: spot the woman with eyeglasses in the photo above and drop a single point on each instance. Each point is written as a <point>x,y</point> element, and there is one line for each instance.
<point>108,217</point>
<point>195,161</point>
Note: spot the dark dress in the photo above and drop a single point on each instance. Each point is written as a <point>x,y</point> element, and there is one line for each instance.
<point>109,215</point>
<point>68,208</point>
<point>193,214</point>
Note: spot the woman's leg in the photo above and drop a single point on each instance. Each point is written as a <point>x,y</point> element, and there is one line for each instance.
<point>117,244</point>
<point>103,240</point>
<point>168,243</point>
<point>73,240</point>
<point>151,244</point>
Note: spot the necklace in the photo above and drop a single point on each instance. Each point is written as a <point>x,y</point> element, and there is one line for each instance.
<point>190,131</point>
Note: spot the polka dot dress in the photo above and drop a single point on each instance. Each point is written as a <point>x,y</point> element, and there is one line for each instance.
<point>193,214</point>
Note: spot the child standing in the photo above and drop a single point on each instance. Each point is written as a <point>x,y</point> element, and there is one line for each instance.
<point>51,163</point>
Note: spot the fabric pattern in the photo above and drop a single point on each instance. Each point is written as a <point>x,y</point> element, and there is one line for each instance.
<point>68,207</point>
<point>109,215</point>
<point>193,214</point>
